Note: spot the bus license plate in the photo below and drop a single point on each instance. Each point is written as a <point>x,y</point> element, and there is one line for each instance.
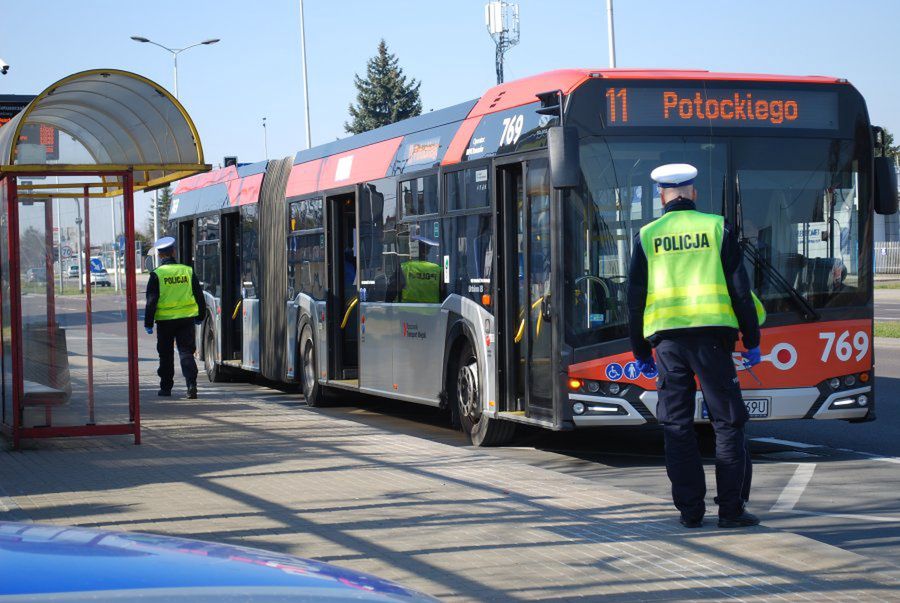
<point>757,408</point>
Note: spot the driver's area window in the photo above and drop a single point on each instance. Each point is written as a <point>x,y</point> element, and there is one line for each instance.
<point>603,215</point>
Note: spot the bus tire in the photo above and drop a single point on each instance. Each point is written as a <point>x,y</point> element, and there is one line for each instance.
<point>309,383</point>
<point>213,370</point>
<point>463,387</point>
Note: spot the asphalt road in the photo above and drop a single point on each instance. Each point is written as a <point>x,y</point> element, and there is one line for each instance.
<point>887,304</point>
<point>829,480</point>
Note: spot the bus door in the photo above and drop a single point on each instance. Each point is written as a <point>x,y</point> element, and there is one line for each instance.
<point>232,321</point>
<point>523,198</point>
<point>343,311</point>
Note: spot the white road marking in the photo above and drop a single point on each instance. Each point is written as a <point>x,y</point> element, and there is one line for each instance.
<point>787,443</point>
<point>794,488</point>
<point>856,516</point>
<point>873,457</point>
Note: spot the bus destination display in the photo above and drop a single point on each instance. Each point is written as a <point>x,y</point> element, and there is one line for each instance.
<point>727,108</point>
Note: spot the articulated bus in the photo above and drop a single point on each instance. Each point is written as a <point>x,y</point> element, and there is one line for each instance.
<point>522,205</point>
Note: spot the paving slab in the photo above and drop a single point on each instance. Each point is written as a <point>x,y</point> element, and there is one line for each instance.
<point>249,466</point>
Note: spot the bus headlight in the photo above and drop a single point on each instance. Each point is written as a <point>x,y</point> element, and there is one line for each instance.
<point>862,400</point>
<point>835,383</point>
<point>849,380</point>
<point>578,408</point>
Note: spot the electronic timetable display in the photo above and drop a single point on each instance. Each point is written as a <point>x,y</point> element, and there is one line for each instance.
<point>729,108</point>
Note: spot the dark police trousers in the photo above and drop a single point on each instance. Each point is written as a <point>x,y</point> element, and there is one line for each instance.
<point>170,333</point>
<point>678,360</point>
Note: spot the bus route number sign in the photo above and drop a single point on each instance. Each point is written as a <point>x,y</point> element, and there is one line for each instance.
<point>686,107</point>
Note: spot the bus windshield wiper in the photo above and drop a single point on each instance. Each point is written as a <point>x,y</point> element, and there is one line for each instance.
<point>804,308</point>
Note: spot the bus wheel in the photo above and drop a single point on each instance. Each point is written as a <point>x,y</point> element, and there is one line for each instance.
<point>312,391</point>
<point>464,389</point>
<point>213,370</point>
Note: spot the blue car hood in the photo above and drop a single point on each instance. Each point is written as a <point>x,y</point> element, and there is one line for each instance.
<point>43,559</point>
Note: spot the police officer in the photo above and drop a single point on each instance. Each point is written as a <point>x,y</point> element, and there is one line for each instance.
<point>175,301</point>
<point>688,296</point>
<point>420,279</point>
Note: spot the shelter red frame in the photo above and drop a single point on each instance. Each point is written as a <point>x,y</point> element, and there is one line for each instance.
<point>16,430</point>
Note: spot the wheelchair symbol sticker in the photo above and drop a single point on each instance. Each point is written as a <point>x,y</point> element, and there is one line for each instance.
<point>614,371</point>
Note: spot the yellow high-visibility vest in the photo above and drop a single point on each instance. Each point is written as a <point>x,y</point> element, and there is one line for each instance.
<point>176,293</point>
<point>686,284</point>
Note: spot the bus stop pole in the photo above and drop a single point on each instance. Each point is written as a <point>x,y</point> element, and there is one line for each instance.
<point>89,308</point>
<point>51,301</point>
<point>15,307</point>
<point>134,392</point>
<point>112,217</point>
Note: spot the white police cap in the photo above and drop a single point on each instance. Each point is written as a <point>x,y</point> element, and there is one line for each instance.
<point>674,174</point>
<point>164,243</point>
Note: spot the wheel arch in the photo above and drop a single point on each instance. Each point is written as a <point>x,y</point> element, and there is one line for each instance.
<point>459,332</point>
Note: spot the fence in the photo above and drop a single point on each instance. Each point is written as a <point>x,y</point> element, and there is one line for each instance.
<point>887,257</point>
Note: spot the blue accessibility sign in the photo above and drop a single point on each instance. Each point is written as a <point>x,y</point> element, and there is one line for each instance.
<point>614,371</point>
<point>632,371</point>
<point>651,373</point>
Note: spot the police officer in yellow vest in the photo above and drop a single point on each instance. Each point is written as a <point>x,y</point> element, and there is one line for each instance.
<point>689,296</point>
<point>420,279</point>
<point>175,301</point>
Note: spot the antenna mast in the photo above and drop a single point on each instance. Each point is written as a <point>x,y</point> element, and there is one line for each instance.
<point>502,20</point>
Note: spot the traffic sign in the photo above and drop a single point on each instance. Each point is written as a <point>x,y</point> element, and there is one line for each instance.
<point>67,252</point>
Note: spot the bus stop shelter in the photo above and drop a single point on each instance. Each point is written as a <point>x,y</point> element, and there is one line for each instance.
<point>69,346</point>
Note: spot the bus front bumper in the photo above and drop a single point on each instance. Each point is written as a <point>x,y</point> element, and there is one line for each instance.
<point>763,404</point>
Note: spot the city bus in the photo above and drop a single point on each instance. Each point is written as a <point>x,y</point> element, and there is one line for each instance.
<point>520,208</point>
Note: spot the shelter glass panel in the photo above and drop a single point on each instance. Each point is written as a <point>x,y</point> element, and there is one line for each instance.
<point>74,326</point>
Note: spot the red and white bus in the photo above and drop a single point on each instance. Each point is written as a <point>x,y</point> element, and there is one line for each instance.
<point>526,201</point>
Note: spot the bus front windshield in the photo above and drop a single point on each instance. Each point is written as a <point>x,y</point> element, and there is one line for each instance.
<point>794,202</point>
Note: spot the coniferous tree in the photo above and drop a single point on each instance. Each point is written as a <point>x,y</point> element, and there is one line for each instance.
<point>385,95</point>
<point>165,202</point>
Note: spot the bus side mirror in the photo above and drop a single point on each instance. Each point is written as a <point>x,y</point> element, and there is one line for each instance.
<point>885,186</point>
<point>565,165</point>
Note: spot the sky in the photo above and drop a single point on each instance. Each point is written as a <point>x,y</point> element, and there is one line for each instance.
<point>255,71</point>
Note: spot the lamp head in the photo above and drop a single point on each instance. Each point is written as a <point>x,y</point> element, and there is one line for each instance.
<point>139,39</point>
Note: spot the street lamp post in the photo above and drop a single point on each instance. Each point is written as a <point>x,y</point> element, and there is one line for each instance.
<point>175,52</point>
<point>305,79</point>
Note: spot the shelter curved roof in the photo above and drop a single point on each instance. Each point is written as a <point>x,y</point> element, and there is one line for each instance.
<point>125,121</point>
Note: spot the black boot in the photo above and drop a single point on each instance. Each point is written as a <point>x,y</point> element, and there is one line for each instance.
<point>191,391</point>
<point>164,393</point>
<point>744,520</point>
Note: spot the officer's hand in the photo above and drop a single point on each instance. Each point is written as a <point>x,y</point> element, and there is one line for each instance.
<point>752,357</point>
<point>149,330</point>
<point>645,365</point>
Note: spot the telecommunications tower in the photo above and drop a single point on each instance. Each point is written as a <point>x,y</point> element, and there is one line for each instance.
<point>502,20</point>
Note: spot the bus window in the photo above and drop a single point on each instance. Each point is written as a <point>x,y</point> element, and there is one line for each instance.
<point>250,250</point>
<point>420,243</point>
<point>207,260</point>
<point>468,189</point>
<point>208,228</point>
<point>419,196</point>
<point>469,245</point>
<point>800,208</point>
<point>306,249</point>
<point>378,239</point>
<point>207,263</point>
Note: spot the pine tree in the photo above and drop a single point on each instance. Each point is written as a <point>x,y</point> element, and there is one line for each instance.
<point>165,201</point>
<point>385,96</point>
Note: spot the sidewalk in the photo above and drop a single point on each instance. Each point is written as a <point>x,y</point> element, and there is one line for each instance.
<point>250,466</point>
